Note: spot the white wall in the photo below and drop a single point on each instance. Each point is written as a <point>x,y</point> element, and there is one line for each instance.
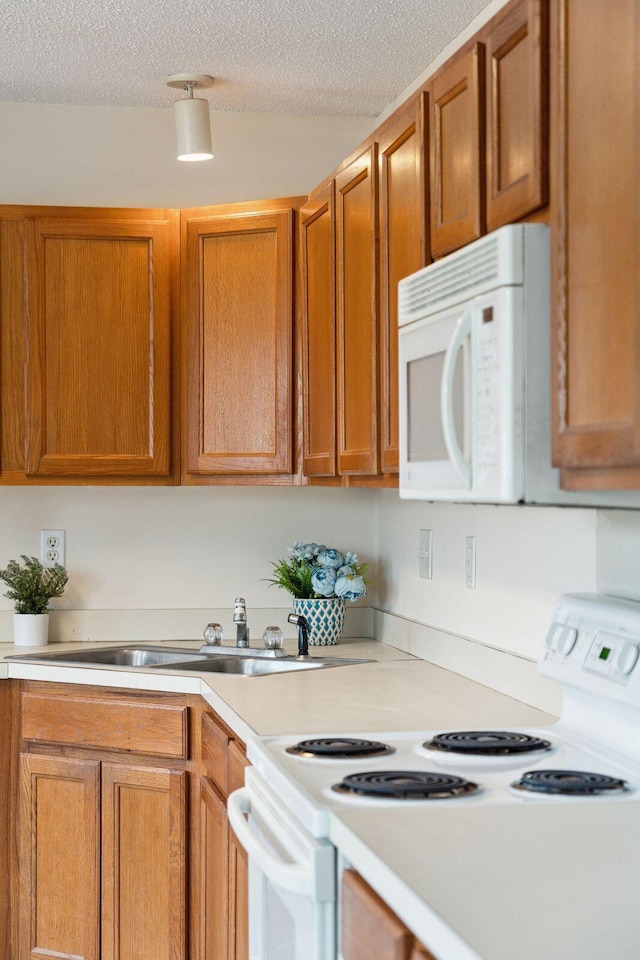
<point>176,548</point>
<point>119,156</point>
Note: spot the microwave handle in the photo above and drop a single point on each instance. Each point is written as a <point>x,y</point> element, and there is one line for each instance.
<point>288,876</point>
<point>462,466</point>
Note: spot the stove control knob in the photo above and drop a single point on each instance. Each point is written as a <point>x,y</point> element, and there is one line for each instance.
<point>627,658</point>
<point>566,640</point>
<point>553,634</point>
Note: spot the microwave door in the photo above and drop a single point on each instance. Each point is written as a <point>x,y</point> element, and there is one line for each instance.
<point>435,441</point>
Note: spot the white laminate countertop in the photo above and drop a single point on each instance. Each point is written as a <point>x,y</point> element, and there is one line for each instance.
<point>529,881</point>
<point>532,881</point>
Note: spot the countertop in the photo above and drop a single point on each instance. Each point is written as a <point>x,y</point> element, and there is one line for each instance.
<point>481,883</point>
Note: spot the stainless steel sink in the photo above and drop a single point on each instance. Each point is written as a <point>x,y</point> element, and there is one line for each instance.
<point>120,656</point>
<point>174,658</point>
<point>258,667</point>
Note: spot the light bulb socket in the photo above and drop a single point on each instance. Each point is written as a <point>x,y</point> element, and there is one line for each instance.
<point>193,129</point>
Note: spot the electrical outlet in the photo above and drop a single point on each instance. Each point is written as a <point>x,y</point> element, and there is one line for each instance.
<point>470,563</point>
<point>425,555</point>
<point>52,547</point>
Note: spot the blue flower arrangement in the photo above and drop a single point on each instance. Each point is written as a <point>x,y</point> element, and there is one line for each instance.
<point>316,572</point>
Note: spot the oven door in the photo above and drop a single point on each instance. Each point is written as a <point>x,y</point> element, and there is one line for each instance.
<point>436,369</point>
<point>292,879</point>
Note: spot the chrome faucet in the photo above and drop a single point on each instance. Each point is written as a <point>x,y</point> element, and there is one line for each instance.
<point>303,634</point>
<point>240,620</point>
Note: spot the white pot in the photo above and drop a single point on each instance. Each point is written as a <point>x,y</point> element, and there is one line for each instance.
<point>30,629</point>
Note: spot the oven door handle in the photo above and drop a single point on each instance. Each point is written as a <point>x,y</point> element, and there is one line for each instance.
<point>461,466</point>
<point>293,877</point>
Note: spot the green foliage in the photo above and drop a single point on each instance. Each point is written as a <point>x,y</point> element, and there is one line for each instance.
<point>294,576</point>
<point>31,585</point>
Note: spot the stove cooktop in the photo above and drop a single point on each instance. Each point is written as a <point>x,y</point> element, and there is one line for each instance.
<point>493,767</point>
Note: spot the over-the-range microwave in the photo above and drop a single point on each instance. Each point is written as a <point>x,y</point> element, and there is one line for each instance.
<point>474,377</point>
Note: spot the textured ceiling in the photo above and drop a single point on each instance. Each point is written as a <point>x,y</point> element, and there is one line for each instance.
<point>284,56</point>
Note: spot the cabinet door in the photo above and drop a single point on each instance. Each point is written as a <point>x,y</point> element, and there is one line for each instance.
<point>457,151</point>
<point>357,315</point>
<point>369,927</point>
<point>238,900</point>
<point>238,299</point>
<point>596,238</point>
<point>421,953</point>
<point>98,347</point>
<point>517,112</point>
<point>317,229</point>
<point>403,240</point>
<point>59,860</point>
<point>144,850</point>
<point>214,873</point>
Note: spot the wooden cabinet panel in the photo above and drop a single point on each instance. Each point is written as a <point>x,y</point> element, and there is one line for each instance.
<point>13,300</point>
<point>596,275</point>
<point>143,863</point>
<point>517,111</point>
<point>317,230</point>
<point>238,900</point>
<point>145,728</point>
<point>59,822</point>
<point>369,927</point>
<point>420,953</point>
<point>215,752</point>
<point>98,347</point>
<point>213,915</point>
<point>357,315</point>
<point>457,151</point>
<point>238,321</point>
<point>403,244</point>
<point>237,765</point>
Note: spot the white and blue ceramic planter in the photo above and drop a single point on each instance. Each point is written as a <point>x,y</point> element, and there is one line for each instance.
<point>325,619</point>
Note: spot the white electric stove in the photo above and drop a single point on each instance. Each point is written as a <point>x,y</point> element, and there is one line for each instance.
<point>591,754</point>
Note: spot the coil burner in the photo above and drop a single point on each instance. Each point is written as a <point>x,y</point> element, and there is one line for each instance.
<point>573,783</point>
<point>486,743</point>
<point>339,748</point>
<point>405,785</point>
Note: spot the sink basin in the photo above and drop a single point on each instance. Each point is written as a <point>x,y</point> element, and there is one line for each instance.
<point>257,667</point>
<point>174,658</point>
<point>121,656</point>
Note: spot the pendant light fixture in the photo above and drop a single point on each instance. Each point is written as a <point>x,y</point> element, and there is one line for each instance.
<point>193,127</point>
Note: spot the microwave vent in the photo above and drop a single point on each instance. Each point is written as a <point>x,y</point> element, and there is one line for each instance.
<point>472,271</point>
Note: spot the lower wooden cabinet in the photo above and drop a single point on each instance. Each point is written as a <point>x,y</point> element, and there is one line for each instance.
<point>370,928</point>
<point>124,847</point>
<point>102,860</point>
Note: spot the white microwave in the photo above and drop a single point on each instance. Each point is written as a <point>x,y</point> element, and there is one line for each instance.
<point>474,377</point>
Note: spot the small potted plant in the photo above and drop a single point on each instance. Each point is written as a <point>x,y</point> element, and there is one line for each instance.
<point>320,579</point>
<point>31,586</point>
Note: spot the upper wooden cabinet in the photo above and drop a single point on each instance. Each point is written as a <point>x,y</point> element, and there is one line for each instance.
<point>357,315</point>
<point>517,111</point>
<point>596,263</point>
<point>403,216</point>
<point>237,311</point>
<point>489,128</point>
<point>318,326</point>
<point>98,344</point>
<point>457,151</point>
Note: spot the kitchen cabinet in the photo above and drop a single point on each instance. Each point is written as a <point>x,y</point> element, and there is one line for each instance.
<point>238,347</point>
<point>456,94</point>
<point>370,928</point>
<point>103,838</point>
<point>489,128</point>
<point>318,327</point>
<point>86,377</point>
<point>357,315</point>
<point>595,273</point>
<point>403,216</point>
<point>356,245</point>
<point>517,111</point>
<point>223,915</point>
